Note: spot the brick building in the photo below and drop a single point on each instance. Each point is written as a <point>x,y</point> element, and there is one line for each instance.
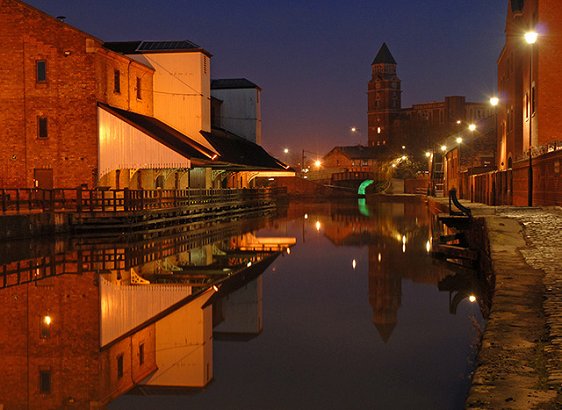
<point>76,110</point>
<point>419,127</point>
<point>530,91</point>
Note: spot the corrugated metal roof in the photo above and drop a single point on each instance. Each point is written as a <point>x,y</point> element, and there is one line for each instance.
<point>163,133</point>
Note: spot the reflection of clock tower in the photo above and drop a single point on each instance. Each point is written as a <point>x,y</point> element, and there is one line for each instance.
<point>384,98</point>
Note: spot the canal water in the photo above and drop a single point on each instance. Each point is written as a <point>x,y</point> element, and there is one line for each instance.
<point>324,306</point>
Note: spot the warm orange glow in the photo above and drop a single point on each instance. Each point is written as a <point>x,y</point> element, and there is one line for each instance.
<point>428,154</point>
<point>531,37</point>
<point>286,150</point>
<point>459,140</point>
<point>317,163</point>
<point>472,298</point>
<point>47,320</point>
<point>318,225</point>
<point>472,127</point>
<point>443,148</point>
<point>354,264</point>
<point>494,101</point>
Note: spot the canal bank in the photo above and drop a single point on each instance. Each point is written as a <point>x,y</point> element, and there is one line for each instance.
<point>519,362</point>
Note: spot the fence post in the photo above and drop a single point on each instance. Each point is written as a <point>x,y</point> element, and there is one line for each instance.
<point>79,199</point>
<point>17,200</point>
<point>126,199</point>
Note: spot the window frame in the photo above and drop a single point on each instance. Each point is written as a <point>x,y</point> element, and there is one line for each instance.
<point>42,127</point>
<point>41,71</point>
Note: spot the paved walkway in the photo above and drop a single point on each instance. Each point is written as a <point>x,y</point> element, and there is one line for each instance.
<point>519,365</point>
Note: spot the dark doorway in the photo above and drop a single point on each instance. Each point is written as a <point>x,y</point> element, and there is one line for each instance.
<point>43,178</point>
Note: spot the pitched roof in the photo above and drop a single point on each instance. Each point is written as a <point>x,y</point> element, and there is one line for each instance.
<point>236,150</point>
<point>361,152</point>
<point>384,56</point>
<point>146,47</point>
<point>163,133</point>
<point>232,83</point>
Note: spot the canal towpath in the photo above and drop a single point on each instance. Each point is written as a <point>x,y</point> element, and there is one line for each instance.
<point>519,364</point>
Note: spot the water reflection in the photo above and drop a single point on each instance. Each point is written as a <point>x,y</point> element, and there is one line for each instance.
<point>396,233</point>
<point>89,320</point>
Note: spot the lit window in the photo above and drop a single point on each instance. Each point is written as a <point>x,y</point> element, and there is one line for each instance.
<point>139,93</point>
<point>41,71</point>
<point>117,81</point>
<point>45,327</point>
<point>42,127</point>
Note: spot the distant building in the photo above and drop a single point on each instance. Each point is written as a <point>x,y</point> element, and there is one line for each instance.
<point>238,107</point>
<point>419,127</point>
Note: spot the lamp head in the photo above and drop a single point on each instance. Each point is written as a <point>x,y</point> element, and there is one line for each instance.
<point>531,37</point>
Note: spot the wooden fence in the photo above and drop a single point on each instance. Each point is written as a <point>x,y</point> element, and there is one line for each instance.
<point>29,200</point>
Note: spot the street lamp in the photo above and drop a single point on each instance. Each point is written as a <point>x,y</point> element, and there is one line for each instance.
<point>531,38</point>
<point>286,151</point>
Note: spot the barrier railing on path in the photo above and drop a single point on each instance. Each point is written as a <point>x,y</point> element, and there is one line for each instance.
<point>32,200</point>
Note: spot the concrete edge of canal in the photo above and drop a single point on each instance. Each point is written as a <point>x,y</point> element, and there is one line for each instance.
<point>518,363</point>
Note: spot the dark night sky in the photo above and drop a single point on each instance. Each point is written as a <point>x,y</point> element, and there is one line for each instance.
<point>312,58</point>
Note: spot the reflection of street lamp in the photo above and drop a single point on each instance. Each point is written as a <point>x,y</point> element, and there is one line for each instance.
<point>531,38</point>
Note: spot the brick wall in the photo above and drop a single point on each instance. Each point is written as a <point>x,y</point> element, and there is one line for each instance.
<point>79,73</point>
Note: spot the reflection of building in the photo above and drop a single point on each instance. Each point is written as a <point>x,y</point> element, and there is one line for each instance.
<point>85,325</point>
<point>396,236</point>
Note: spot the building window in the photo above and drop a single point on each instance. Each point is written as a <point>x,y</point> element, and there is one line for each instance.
<point>204,65</point>
<point>141,354</point>
<point>44,381</point>
<point>117,81</point>
<point>139,93</point>
<point>120,366</point>
<point>526,105</point>
<point>41,71</point>
<point>42,128</point>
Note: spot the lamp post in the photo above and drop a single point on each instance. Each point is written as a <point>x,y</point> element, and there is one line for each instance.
<point>494,101</point>
<point>531,38</point>
<point>356,131</point>
<point>317,163</point>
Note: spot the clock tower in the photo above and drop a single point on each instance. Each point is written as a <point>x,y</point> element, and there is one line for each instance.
<point>384,100</point>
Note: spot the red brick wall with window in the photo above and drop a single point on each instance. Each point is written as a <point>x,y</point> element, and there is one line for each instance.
<point>79,73</point>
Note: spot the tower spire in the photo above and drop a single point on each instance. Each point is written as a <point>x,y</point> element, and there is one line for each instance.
<point>384,56</point>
